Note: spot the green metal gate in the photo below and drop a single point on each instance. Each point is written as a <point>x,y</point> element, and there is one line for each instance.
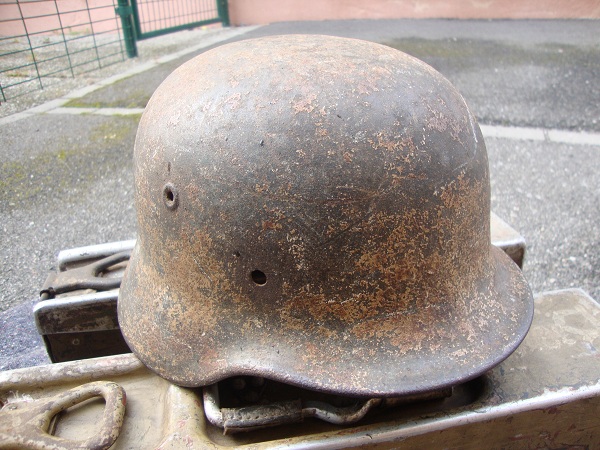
<point>42,42</point>
<point>143,19</point>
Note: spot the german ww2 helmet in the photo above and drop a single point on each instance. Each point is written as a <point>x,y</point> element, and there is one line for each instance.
<point>316,211</point>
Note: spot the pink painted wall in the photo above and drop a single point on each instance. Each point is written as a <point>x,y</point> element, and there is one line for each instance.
<point>248,12</point>
<point>43,17</point>
<point>74,15</point>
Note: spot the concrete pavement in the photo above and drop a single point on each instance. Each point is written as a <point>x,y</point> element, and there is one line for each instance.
<point>65,176</point>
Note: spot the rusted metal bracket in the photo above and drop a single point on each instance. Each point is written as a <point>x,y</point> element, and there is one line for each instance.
<point>254,417</point>
<point>77,256</point>
<point>26,423</point>
<point>84,277</point>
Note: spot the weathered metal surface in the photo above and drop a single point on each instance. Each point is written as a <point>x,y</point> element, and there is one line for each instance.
<point>242,404</point>
<point>76,256</point>
<point>264,413</point>
<point>87,276</point>
<point>84,312</point>
<point>315,210</point>
<point>275,404</point>
<point>26,423</point>
<point>545,395</point>
<point>77,312</point>
<point>507,239</point>
<point>77,326</point>
<point>85,344</point>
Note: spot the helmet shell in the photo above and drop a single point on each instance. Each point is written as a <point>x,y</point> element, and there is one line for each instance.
<point>315,210</point>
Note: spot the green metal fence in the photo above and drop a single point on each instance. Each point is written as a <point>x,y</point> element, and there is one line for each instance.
<point>157,17</point>
<point>143,19</point>
<point>44,41</point>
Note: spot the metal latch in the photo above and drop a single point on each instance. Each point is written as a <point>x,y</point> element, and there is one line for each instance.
<point>124,11</point>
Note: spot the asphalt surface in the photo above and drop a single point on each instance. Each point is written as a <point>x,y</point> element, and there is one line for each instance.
<point>65,178</point>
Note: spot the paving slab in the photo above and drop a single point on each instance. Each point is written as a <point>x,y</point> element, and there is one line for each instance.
<point>550,193</point>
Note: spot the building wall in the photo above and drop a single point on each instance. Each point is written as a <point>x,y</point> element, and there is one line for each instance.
<point>248,12</point>
<point>48,17</point>
<point>74,16</point>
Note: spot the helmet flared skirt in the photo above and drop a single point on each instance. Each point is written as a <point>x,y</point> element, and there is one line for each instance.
<point>394,354</point>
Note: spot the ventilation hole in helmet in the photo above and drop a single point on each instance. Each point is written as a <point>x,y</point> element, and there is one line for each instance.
<point>170,196</point>
<point>258,277</point>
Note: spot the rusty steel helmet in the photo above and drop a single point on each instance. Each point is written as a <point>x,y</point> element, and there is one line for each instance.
<point>316,210</point>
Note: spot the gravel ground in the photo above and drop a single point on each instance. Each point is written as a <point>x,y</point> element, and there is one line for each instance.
<point>62,82</point>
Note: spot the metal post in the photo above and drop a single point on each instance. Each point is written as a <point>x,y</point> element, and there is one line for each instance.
<point>93,35</point>
<point>125,12</point>
<point>37,69</point>
<point>62,30</point>
<point>223,9</point>
<point>135,9</point>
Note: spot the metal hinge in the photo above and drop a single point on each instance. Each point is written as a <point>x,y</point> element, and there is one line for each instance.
<point>124,11</point>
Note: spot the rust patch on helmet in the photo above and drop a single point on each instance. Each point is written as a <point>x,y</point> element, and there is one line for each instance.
<point>304,104</point>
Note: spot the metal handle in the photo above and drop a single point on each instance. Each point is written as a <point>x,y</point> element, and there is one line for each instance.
<point>25,424</point>
<point>85,277</point>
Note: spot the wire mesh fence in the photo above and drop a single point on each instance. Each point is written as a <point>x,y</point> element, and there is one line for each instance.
<point>45,41</point>
<point>156,17</point>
